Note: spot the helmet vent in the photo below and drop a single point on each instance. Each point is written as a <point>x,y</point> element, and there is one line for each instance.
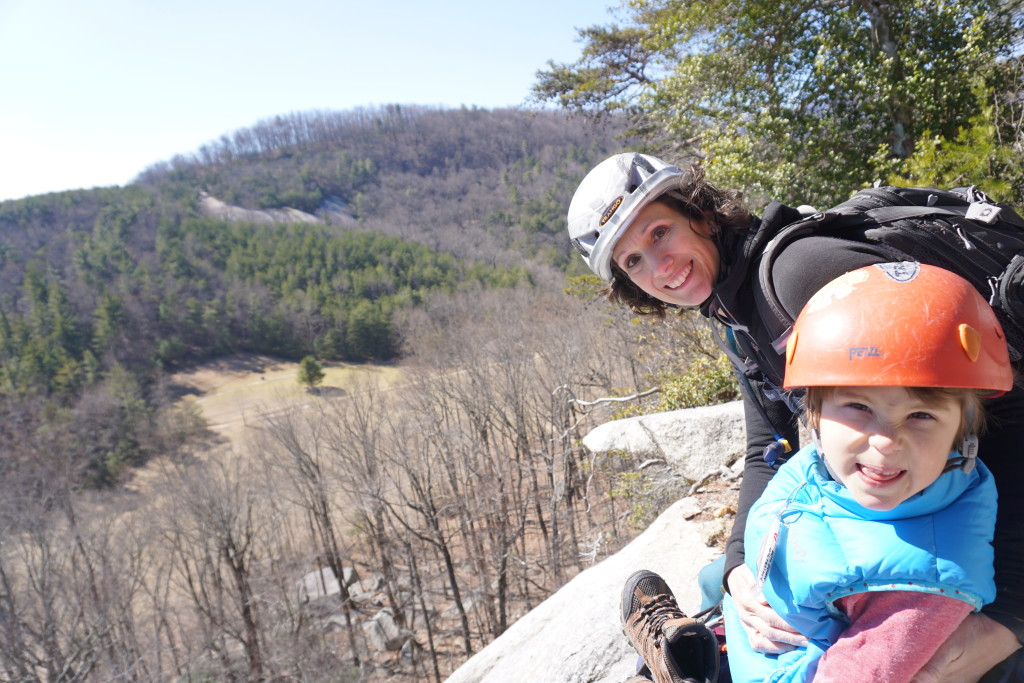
<point>970,340</point>
<point>641,170</point>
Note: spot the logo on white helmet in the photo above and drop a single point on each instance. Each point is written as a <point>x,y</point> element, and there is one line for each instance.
<point>610,211</point>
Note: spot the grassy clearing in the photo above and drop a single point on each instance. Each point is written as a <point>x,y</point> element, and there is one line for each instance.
<point>231,390</point>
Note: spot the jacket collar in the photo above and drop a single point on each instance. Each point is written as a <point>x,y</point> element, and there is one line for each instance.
<point>732,291</point>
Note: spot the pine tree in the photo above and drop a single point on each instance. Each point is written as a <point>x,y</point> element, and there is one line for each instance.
<point>310,373</point>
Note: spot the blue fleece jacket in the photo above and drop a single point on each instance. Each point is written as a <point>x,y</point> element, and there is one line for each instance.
<point>829,546</point>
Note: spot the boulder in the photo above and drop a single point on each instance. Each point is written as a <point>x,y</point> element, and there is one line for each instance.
<point>695,442</point>
<point>575,635</point>
<point>211,206</point>
<point>382,633</point>
<point>322,583</point>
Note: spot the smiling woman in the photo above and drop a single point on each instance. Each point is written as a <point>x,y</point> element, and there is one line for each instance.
<point>657,234</point>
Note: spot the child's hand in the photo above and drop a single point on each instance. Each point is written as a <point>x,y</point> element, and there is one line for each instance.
<point>975,646</point>
<point>766,630</point>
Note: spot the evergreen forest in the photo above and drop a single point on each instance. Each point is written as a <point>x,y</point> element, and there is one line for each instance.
<point>343,219</point>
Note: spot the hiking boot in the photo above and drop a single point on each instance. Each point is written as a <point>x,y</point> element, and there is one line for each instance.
<point>675,648</point>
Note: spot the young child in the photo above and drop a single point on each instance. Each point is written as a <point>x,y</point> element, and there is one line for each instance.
<point>874,541</point>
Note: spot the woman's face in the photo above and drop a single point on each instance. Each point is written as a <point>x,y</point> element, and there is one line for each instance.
<point>668,255</point>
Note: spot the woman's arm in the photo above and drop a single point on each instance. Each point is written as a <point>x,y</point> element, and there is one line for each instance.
<point>1000,448</point>
<point>756,472</point>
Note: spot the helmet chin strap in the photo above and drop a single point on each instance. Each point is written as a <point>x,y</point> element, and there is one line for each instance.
<point>968,459</point>
<point>816,440</point>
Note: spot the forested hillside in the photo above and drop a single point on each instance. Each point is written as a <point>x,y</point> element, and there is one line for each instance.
<point>112,286</point>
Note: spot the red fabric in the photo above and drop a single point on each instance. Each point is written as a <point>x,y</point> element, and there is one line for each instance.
<point>892,634</point>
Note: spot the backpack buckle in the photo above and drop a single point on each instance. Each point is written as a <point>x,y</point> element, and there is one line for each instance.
<point>983,213</point>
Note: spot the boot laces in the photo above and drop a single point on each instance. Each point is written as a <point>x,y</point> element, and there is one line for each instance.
<point>657,610</point>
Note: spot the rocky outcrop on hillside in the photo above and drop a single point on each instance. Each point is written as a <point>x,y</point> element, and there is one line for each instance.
<point>332,210</point>
<point>575,635</point>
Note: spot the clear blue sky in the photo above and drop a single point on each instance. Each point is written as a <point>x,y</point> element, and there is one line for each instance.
<point>94,91</point>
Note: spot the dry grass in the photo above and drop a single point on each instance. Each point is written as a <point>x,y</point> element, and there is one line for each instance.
<point>230,390</point>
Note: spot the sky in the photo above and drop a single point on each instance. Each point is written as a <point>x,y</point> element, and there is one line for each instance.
<point>93,92</point>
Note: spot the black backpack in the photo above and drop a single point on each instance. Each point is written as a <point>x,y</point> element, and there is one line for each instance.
<point>961,230</point>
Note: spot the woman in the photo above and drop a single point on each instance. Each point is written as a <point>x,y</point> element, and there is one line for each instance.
<point>662,237</point>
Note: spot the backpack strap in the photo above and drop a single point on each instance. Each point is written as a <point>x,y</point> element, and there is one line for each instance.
<point>780,323</point>
<point>780,446</point>
<point>982,213</point>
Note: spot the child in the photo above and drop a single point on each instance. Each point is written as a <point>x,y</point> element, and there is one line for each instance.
<point>875,540</point>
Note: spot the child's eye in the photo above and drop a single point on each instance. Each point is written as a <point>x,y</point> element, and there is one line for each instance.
<point>921,415</point>
<point>857,406</point>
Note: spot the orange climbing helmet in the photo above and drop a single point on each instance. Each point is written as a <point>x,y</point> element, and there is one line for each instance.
<point>898,324</point>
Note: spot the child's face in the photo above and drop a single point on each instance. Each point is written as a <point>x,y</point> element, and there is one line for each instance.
<point>884,444</point>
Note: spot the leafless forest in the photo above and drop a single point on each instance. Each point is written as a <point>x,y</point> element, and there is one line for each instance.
<point>453,503</point>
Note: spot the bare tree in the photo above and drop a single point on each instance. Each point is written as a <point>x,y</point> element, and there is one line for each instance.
<point>299,453</point>
<point>214,531</point>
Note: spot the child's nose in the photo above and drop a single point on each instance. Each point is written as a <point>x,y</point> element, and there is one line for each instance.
<point>884,440</point>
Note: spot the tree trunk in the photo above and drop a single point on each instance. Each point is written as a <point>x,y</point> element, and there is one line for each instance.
<point>900,111</point>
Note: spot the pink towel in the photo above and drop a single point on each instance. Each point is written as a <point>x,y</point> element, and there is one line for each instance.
<point>892,635</point>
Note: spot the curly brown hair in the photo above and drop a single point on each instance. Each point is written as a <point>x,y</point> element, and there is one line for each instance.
<point>698,200</point>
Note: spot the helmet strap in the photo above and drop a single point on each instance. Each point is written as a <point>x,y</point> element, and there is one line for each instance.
<point>816,440</point>
<point>968,459</point>
<point>969,449</point>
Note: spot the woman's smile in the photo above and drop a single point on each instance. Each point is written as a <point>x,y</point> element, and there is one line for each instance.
<point>681,278</point>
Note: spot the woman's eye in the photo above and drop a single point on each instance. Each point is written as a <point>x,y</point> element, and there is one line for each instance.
<point>659,232</point>
<point>922,416</point>
<point>630,261</point>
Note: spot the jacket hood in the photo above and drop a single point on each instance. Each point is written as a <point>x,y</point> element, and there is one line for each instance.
<point>935,497</point>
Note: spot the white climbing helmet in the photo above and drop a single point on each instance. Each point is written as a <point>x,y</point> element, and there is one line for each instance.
<point>608,200</point>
